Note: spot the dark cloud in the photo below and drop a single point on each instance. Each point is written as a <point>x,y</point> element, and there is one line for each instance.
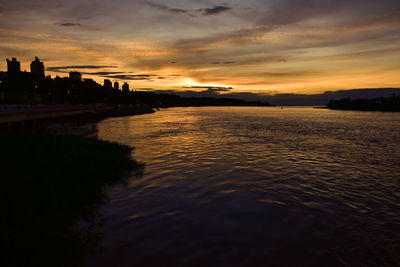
<point>164,8</point>
<point>223,63</point>
<point>133,77</point>
<point>209,49</point>
<point>141,77</point>
<point>112,74</point>
<point>105,74</point>
<point>78,67</point>
<point>280,13</point>
<point>102,73</point>
<point>360,25</point>
<point>205,12</point>
<point>210,88</point>
<point>70,24</point>
<point>289,74</point>
<point>214,10</point>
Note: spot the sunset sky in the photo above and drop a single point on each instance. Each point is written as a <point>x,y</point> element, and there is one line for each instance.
<point>259,46</point>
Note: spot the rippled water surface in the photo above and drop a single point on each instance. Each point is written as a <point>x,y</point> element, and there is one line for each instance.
<point>237,186</point>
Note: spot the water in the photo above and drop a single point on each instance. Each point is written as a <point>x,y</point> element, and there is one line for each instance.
<point>236,186</point>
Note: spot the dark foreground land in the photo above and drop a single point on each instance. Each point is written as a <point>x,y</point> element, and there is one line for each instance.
<point>127,111</point>
<point>389,104</point>
<point>72,119</point>
<point>49,183</point>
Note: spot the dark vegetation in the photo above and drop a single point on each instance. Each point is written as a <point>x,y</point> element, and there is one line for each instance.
<point>49,183</point>
<point>127,111</point>
<point>390,104</point>
<point>23,88</point>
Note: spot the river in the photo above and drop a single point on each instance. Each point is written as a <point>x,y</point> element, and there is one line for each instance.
<point>255,186</point>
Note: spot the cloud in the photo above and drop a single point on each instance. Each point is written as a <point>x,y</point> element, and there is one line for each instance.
<point>120,75</point>
<point>164,8</point>
<point>223,63</point>
<point>205,12</point>
<point>132,77</point>
<point>210,88</point>
<point>70,24</point>
<point>140,77</point>
<point>372,25</point>
<point>78,67</point>
<point>214,10</point>
<point>254,45</point>
<point>102,73</point>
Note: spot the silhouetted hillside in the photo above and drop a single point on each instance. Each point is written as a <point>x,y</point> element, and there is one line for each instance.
<point>324,98</point>
<point>378,104</point>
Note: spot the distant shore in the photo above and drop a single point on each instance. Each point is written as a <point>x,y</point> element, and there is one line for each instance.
<point>389,104</point>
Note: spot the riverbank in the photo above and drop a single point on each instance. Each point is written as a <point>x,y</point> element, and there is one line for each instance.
<point>49,183</point>
<point>69,119</point>
<point>90,128</point>
<point>128,111</point>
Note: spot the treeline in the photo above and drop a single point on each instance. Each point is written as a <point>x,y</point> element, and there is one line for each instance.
<point>378,104</point>
<point>23,88</point>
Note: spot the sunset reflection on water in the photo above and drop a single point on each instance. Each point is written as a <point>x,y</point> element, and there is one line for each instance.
<point>255,186</point>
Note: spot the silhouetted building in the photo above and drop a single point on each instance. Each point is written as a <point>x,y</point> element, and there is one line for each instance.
<point>107,83</point>
<point>116,85</point>
<point>125,87</point>
<point>74,75</point>
<point>37,68</point>
<point>13,66</point>
<point>3,76</point>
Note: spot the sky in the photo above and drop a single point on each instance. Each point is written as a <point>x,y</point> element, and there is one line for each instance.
<point>256,46</point>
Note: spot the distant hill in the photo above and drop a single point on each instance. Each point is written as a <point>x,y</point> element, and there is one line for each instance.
<point>288,99</point>
<point>391,104</point>
<point>324,98</point>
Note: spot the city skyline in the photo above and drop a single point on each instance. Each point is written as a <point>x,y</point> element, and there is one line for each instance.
<point>238,46</point>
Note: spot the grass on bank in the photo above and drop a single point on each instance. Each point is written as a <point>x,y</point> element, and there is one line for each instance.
<point>128,111</point>
<point>48,184</point>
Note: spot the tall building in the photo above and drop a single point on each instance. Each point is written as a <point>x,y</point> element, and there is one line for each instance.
<point>116,86</point>
<point>74,75</point>
<point>37,68</point>
<point>13,66</point>
<point>125,87</point>
<point>107,83</point>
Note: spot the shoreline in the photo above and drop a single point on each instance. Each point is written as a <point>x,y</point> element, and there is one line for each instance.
<point>53,181</point>
<point>365,110</point>
<point>389,104</point>
<point>91,128</point>
<point>68,120</point>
